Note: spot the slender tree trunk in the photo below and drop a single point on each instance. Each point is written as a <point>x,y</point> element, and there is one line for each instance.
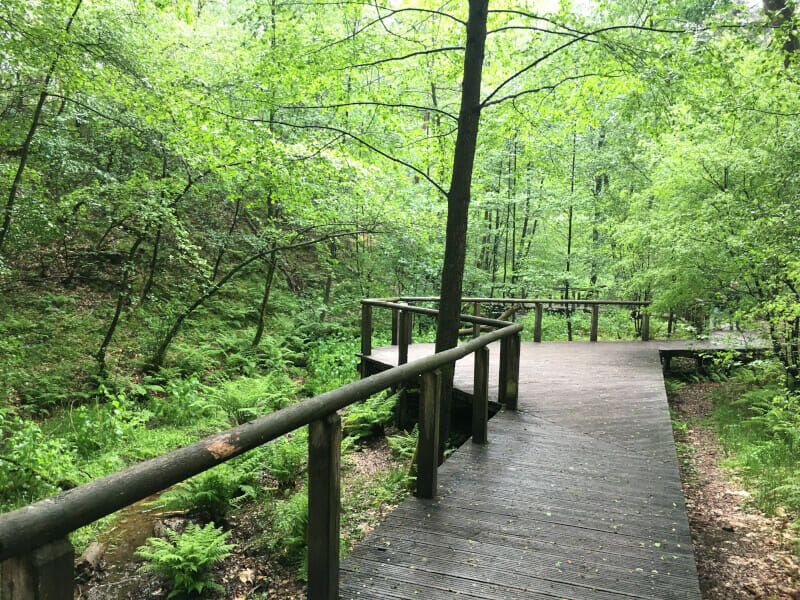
<point>458,198</point>
<point>568,312</point>
<point>122,299</point>
<point>26,145</point>
<point>151,270</point>
<point>273,262</point>
<point>225,242</point>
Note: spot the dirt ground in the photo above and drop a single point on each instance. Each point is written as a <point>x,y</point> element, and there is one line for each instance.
<point>741,553</point>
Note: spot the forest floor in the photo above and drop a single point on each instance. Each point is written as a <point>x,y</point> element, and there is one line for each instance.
<point>248,573</point>
<point>741,553</point>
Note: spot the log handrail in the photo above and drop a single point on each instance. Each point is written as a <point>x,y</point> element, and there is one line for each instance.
<point>36,555</point>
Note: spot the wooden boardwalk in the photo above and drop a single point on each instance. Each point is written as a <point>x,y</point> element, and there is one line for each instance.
<point>576,495</point>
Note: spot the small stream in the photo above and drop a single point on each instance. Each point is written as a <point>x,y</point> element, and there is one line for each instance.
<point>119,579</point>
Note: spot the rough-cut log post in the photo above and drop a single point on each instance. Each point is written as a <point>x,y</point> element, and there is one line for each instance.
<point>480,397</point>
<point>44,573</point>
<point>395,320</point>
<point>509,371</point>
<point>366,336</point>
<point>595,314</point>
<point>476,328</point>
<point>404,329</point>
<point>645,326</point>
<point>537,323</point>
<point>324,456</point>
<point>428,445</point>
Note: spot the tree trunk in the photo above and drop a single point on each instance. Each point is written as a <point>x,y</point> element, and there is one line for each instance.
<point>122,299</point>
<point>458,198</point>
<point>273,261</point>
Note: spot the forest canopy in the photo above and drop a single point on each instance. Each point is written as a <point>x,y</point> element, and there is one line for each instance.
<point>156,154</point>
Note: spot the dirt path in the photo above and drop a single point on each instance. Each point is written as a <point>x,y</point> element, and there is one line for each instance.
<point>741,553</point>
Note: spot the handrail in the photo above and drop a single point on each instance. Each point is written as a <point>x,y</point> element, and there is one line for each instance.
<point>481,323</point>
<point>44,525</point>
<point>525,301</point>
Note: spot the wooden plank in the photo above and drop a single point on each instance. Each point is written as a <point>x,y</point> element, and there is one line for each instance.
<point>578,495</point>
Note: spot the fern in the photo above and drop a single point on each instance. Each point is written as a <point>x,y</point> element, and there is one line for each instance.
<point>368,418</point>
<point>185,559</point>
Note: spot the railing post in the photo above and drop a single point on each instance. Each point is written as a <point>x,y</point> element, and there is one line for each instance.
<point>324,457</point>
<point>645,326</point>
<point>480,397</point>
<point>509,371</point>
<point>410,326</point>
<point>428,444</point>
<point>404,335</point>
<point>395,320</point>
<point>366,336</point>
<point>476,327</point>
<point>595,314</point>
<point>537,323</point>
<point>44,573</point>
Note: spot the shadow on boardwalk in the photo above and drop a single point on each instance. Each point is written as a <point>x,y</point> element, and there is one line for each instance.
<point>577,495</point>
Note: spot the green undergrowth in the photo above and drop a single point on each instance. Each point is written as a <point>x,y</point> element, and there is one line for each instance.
<point>613,324</point>
<point>61,427</point>
<point>757,420</point>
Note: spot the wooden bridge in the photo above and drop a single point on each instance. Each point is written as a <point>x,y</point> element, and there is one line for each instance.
<point>576,495</point>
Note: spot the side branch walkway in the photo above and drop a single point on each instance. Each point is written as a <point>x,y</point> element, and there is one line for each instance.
<point>576,496</point>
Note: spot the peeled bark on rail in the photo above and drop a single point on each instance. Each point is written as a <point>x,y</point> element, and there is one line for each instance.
<point>458,198</point>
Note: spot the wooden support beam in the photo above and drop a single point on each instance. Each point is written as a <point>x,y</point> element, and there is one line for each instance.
<point>404,334</point>
<point>428,444</point>
<point>476,328</point>
<point>324,458</point>
<point>645,326</point>
<point>43,574</point>
<point>395,321</point>
<point>537,323</point>
<point>366,336</point>
<point>595,314</point>
<point>480,397</point>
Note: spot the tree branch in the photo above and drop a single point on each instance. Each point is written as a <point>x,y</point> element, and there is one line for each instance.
<point>398,58</point>
<point>370,103</point>
<point>579,38</point>
<point>551,86</point>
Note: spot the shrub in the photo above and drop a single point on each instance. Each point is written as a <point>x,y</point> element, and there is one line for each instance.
<point>367,418</point>
<point>207,495</point>
<point>183,403</point>
<point>185,559</point>
<point>32,467</point>
<point>104,424</point>
<point>290,524</point>
<point>286,457</point>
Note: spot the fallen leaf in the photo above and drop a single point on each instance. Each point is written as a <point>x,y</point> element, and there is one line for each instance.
<point>247,576</point>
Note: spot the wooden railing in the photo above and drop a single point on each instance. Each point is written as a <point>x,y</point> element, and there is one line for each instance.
<point>403,306</point>
<point>36,556</point>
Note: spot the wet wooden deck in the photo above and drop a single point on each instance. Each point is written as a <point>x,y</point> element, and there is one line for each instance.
<point>576,495</point>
